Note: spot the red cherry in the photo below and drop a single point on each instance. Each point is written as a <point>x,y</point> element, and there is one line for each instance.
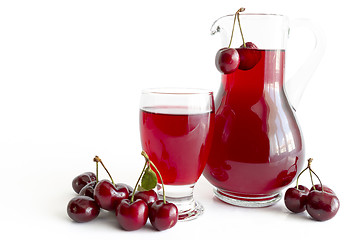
<point>108,196</point>
<point>81,180</point>
<point>249,56</point>
<point>132,216</point>
<point>121,185</point>
<point>295,198</point>
<point>326,188</point>
<point>227,60</point>
<point>163,215</point>
<point>322,205</point>
<point>149,196</point>
<point>88,190</point>
<point>82,209</point>
<point>249,45</point>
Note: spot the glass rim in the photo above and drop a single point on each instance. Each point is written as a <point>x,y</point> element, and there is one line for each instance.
<point>177,91</point>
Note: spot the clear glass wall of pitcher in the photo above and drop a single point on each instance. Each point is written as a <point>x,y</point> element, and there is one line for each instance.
<point>258,148</point>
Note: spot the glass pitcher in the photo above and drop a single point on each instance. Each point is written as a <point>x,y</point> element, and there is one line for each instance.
<point>257,147</point>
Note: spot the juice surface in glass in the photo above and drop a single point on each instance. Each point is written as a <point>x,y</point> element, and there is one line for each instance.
<point>257,143</point>
<point>177,140</point>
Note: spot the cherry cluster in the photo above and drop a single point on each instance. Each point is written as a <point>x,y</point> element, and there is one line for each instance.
<point>320,201</point>
<point>132,208</point>
<point>228,60</point>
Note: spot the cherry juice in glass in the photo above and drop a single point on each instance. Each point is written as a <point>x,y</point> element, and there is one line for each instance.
<point>177,140</point>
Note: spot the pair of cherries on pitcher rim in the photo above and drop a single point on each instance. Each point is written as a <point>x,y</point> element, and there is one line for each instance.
<point>228,60</point>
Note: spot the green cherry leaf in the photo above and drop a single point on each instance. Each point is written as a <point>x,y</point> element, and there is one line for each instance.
<point>149,179</point>
<point>140,188</point>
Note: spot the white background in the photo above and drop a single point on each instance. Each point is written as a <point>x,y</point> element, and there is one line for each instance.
<point>71,73</point>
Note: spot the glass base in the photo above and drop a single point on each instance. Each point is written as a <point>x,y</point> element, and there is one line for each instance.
<point>247,200</point>
<point>182,197</point>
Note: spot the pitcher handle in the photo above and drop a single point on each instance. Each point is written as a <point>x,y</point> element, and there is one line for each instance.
<point>296,85</point>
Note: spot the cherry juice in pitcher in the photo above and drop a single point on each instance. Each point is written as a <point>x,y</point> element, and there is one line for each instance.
<point>257,143</point>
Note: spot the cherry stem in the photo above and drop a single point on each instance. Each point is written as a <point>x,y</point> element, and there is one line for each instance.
<point>158,172</point>
<point>232,32</point>
<point>312,172</point>
<point>97,172</point>
<point>237,15</point>
<point>97,159</point>
<point>297,179</point>
<point>137,183</point>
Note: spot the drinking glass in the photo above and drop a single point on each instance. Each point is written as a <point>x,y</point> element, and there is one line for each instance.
<point>176,128</point>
